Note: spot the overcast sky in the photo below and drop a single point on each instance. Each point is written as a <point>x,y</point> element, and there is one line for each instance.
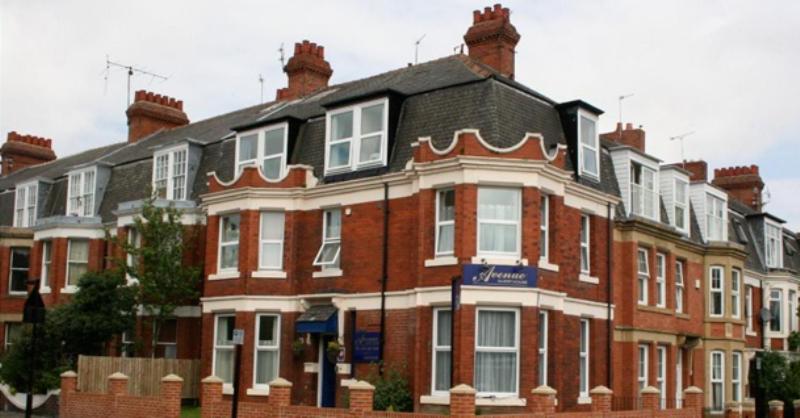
<point>727,70</point>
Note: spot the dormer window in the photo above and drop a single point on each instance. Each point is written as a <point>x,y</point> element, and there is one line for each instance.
<point>681,205</point>
<point>25,205</point>
<point>643,190</point>
<point>588,149</point>
<point>169,173</point>
<point>773,244</point>
<point>715,218</point>
<point>81,193</point>
<point>356,137</point>
<point>265,148</point>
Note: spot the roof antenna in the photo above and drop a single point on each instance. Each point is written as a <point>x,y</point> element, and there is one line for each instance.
<point>282,59</point>
<point>131,71</point>
<point>416,48</point>
<point>621,98</point>
<point>680,137</point>
<point>458,49</point>
<point>261,82</point>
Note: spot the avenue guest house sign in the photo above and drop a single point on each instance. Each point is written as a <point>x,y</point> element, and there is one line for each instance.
<point>499,276</point>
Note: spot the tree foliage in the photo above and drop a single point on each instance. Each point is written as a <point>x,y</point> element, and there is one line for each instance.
<point>779,378</point>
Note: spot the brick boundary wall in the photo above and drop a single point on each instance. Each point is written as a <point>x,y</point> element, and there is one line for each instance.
<point>541,404</point>
<point>116,402</point>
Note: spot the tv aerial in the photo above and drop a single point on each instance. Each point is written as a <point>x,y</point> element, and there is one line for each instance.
<point>131,71</point>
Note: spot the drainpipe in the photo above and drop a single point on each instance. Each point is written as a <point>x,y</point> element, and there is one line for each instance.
<point>384,273</point>
<point>609,296</point>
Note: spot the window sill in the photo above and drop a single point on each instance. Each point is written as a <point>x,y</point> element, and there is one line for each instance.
<point>268,274</point>
<point>227,389</point>
<point>258,391</point>
<point>17,293</point>
<point>45,289</point>
<point>655,309</point>
<point>327,273</point>
<point>225,275</point>
<point>588,279</point>
<point>441,261</point>
<point>682,315</point>
<point>751,333</point>
<point>69,289</point>
<point>500,261</point>
<point>584,400</point>
<point>434,400</point>
<point>507,401</point>
<point>546,265</point>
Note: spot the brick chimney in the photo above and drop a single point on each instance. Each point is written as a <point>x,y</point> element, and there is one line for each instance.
<point>698,169</point>
<point>491,39</point>
<point>742,183</point>
<point>307,70</point>
<point>21,151</point>
<point>630,136</point>
<point>152,112</point>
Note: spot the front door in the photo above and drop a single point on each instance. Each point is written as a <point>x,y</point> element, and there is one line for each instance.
<point>327,374</point>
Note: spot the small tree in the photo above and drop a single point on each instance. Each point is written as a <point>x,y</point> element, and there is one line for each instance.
<point>164,280</point>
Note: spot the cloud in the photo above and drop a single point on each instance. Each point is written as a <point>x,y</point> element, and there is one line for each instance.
<point>724,69</point>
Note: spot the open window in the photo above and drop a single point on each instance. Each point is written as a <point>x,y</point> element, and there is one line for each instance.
<point>328,254</point>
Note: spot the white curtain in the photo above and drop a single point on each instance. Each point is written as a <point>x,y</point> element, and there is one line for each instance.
<point>498,238</point>
<point>495,364</point>
<point>224,364</point>
<point>266,366</point>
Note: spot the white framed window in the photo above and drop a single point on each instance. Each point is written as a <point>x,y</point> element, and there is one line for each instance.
<point>330,249</point>
<point>681,205</point>
<point>497,352</point>
<point>717,381</point>
<point>543,338</point>
<point>266,148</point>
<point>643,275</point>
<point>643,191</point>
<point>544,227</point>
<point>679,286</point>
<point>585,240</point>
<point>47,261</point>
<point>792,311</point>
<point>661,280</point>
<point>442,356</point>
<point>167,341</point>
<point>445,221</point>
<point>736,376</point>
<point>589,145</point>
<point>356,136</point>
<point>776,310</point>
<point>661,374</point>
<point>679,378</point>
<point>80,193</point>
<point>13,332</point>
<point>736,290</point>
<point>267,350</point>
<point>270,253</point>
<point>223,347</point>
<point>774,245</point>
<point>499,216</point>
<point>18,276</point>
<point>716,304</point>
<point>169,173</point>
<point>715,218</point>
<point>77,261</point>
<point>644,366</point>
<point>128,346</point>
<point>25,205</point>
<point>583,359</point>
<point>135,241</point>
<point>748,307</point>
<point>229,243</point>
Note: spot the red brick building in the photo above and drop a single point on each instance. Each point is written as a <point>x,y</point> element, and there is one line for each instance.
<point>338,222</point>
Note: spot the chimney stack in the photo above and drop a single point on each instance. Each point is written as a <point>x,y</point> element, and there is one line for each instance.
<point>630,136</point>
<point>742,183</point>
<point>21,151</point>
<point>307,70</point>
<point>698,169</point>
<point>152,112</point>
<point>491,39</point>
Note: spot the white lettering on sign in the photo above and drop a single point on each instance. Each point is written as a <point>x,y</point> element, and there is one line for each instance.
<point>490,273</point>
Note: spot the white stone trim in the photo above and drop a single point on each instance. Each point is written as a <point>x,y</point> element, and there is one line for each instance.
<point>67,232</point>
<point>441,261</point>
<point>546,265</point>
<point>268,274</point>
<point>588,279</point>
<point>325,273</point>
<point>226,275</point>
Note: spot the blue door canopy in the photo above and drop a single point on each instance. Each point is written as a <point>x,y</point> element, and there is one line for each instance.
<point>318,319</point>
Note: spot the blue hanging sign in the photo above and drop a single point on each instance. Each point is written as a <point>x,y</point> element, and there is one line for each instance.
<point>499,276</point>
<point>367,347</point>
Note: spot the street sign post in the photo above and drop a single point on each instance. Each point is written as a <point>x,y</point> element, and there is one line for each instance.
<point>238,340</point>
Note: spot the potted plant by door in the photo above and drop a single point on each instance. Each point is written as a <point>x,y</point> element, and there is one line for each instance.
<point>332,351</point>
<point>298,347</point>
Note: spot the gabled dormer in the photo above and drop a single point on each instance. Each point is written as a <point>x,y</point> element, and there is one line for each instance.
<point>773,242</point>
<point>674,188</point>
<point>580,123</point>
<point>638,179</point>
<point>711,206</point>
<point>28,201</point>
<point>86,185</point>
<point>174,170</point>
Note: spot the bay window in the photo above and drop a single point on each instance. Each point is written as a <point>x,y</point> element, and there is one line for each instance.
<point>736,376</point>
<point>643,191</point>
<point>716,289</point>
<point>775,310</point>
<point>748,307</point>
<point>223,347</point>
<point>169,174</point>
<point>499,222</point>
<point>229,243</point>
<point>661,280</point>
<point>679,378</point>
<point>792,311</point>
<point>583,359</point>
<point>717,381</point>
<point>661,374</point>
<point>543,331</point>
<point>589,145</point>
<point>135,241</point>
<point>25,205</point>
<point>77,261</point>
<point>736,288</point>
<point>679,286</point>
<point>445,221</point>
<point>585,237</point>
<point>773,244</point>
<point>80,193</point>
<point>715,218</point>
<point>267,349</point>
<point>328,254</point>
<point>270,253</point>
<point>167,341</point>
<point>266,149</point>
<point>356,137</point>
<point>47,260</point>
<point>644,367</point>
<point>442,356</point>
<point>643,275</point>
<point>497,352</point>
<point>544,227</point>
<point>20,263</point>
